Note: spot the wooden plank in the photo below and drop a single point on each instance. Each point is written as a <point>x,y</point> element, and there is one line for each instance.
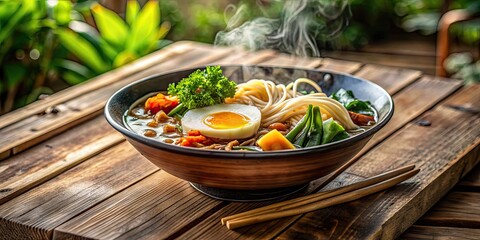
<point>53,150</point>
<point>26,133</point>
<point>410,111</point>
<point>293,61</point>
<point>471,182</point>
<point>425,64</point>
<point>456,209</point>
<point>96,83</point>
<point>25,171</point>
<point>440,153</point>
<point>411,102</point>
<point>37,212</point>
<point>211,227</point>
<point>239,57</point>
<point>389,76</point>
<point>156,207</point>
<point>429,232</point>
<point>339,65</point>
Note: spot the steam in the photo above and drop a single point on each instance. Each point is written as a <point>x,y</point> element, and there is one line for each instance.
<point>301,24</point>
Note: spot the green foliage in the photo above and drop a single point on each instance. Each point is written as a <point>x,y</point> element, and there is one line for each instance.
<point>24,50</point>
<point>203,88</point>
<point>424,15</point>
<point>118,41</point>
<point>462,66</point>
<point>42,42</point>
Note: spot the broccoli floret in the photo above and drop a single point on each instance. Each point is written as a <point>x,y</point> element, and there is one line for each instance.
<point>203,88</point>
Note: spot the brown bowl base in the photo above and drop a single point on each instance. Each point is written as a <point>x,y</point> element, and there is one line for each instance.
<point>248,195</point>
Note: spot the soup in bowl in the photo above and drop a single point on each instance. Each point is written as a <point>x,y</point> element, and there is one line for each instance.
<point>271,131</point>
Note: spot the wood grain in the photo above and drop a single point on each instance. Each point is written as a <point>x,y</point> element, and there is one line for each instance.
<point>18,186</point>
<point>270,230</point>
<point>411,102</point>
<point>340,65</point>
<point>429,232</point>
<point>73,192</point>
<point>471,182</point>
<point>211,227</point>
<point>25,170</point>
<point>456,209</point>
<point>393,79</point>
<point>293,61</point>
<point>239,57</point>
<point>438,150</point>
<point>158,206</point>
<point>26,133</point>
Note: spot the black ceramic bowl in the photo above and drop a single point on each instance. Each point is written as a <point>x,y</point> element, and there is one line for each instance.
<point>241,175</point>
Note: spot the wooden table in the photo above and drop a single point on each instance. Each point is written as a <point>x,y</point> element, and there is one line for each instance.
<point>66,173</point>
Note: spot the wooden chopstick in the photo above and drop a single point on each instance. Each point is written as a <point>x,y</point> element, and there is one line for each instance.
<point>320,200</point>
<point>320,196</point>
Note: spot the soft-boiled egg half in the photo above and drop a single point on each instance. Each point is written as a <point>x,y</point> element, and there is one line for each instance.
<point>224,121</point>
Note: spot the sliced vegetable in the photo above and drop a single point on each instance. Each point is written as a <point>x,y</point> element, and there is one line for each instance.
<point>331,128</point>
<point>340,136</point>
<point>301,138</point>
<point>316,130</point>
<point>300,125</point>
<point>274,140</point>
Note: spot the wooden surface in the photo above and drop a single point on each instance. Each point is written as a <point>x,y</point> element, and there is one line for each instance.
<point>70,175</point>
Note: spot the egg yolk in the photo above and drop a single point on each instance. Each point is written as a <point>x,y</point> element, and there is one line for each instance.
<point>226,120</point>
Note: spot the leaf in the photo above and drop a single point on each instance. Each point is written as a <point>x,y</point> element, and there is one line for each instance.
<point>82,49</point>
<point>74,67</point>
<point>73,78</point>
<point>9,27</point>
<point>144,29</point>
<point>14,73</point>
<point>62,12</point>
<point>111,26</point>
<point>124,58</point>
<point>90,34</point>
<point>7,9</point>
<point>131,11</point>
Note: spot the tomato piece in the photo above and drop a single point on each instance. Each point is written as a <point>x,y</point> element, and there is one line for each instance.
<point>161,102</point>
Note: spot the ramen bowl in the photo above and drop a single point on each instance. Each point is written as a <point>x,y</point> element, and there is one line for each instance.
<point>244,175</point>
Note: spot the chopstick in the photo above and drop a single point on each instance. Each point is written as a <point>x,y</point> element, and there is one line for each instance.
<point>321,200</point>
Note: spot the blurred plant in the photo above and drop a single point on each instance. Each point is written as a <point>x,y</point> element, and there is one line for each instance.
<point>462,66</point>
<point>26,47</point>
<point>116,43</point>
<point>424,15</point>
<point>194,20</point>
<point>42,42</point>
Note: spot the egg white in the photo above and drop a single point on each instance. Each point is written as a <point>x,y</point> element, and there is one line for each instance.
<point>194,120</point>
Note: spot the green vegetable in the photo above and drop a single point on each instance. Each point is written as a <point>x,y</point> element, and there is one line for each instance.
<point>178,109</point>
<point>316,130</point>
<point>340,136</point>
<point>301,138</point>
<point>330,130</point>
<point>203,88</point>
<point>300,125</point>
<point>313,131</point>
<point>348,100</point>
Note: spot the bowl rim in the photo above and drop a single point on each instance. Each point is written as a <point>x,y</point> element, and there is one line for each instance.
<point>130,135</point>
